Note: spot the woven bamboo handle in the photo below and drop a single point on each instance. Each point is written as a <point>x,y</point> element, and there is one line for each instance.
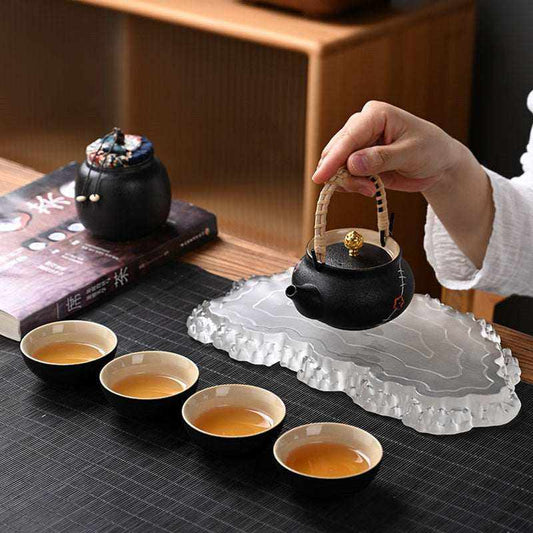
<point>323,204</point>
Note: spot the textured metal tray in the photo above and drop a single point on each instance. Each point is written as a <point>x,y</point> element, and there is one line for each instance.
<point>438,370</point>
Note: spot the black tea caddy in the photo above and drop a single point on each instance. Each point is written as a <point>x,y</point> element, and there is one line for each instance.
<point>122,188</point>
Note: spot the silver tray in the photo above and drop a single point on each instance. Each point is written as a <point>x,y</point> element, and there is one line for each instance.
<point>437,370</point>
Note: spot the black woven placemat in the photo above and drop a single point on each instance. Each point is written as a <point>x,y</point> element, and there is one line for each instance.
<point>69,463</point>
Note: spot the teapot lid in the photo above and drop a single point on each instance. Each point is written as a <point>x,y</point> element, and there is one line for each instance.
<point>356,249</point>
<point>117,149</point>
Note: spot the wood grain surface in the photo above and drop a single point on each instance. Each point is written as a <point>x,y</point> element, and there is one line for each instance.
<point>430,81</point>
<point>281,28</point>
<point>229,256</point>
<point>238,99</point>
<point>235,258</point>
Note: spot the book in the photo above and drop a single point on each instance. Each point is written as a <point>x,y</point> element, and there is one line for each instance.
<point>51,268</point>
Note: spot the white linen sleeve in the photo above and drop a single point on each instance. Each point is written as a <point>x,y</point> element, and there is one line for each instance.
<point>508,264</point>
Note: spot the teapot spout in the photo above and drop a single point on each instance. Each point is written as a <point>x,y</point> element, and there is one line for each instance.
<point>291,291</point>
<point>306,299</point>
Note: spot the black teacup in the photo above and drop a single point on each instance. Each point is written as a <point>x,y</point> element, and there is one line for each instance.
<point>150,384</point>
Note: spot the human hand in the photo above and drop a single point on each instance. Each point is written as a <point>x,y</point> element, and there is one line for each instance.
<point>409,153</point>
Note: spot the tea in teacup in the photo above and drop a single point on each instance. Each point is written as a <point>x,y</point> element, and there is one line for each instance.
<point>327,459</point>
<point>67,352</point>
<point>148,386</point>
<point>233,421</point>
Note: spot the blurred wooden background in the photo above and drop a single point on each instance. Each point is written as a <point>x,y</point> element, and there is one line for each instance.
<point>238,99</point>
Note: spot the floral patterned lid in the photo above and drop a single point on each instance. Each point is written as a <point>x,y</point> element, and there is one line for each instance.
<point>117,149</point>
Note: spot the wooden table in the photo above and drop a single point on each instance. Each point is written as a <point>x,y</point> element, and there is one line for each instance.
<point>227,79</point>
<point>235,258</point>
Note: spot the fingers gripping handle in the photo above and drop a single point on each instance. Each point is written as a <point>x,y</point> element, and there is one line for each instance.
<point>323,204</point>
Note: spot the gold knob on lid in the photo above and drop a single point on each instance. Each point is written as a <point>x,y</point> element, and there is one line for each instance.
<point>354,242</point>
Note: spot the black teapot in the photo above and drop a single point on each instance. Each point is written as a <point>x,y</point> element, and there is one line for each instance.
<point>352,278</point>
<point>122,189</point>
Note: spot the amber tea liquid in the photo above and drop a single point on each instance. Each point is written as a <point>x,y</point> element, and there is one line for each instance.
<point>327,459</point>
<point>67,352</point>
<point>148,386</point>
<point>231,421</point>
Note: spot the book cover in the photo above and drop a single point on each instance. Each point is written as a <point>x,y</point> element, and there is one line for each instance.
<point>50,267</point>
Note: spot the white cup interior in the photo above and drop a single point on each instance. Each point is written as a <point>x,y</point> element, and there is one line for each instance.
<point>152,362</point>
<point>234,395</point>
<point>330,432</point>
<point>69,331</point>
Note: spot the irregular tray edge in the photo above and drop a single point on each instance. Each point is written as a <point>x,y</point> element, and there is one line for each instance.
<point>372,394</point>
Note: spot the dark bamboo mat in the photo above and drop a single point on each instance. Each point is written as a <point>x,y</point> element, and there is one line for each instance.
<point>69,463</point>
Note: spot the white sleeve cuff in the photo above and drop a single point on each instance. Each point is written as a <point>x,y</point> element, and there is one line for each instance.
<point>500,272</point>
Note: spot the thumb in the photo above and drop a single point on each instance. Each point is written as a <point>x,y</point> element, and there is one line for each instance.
<point>382,158</point>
